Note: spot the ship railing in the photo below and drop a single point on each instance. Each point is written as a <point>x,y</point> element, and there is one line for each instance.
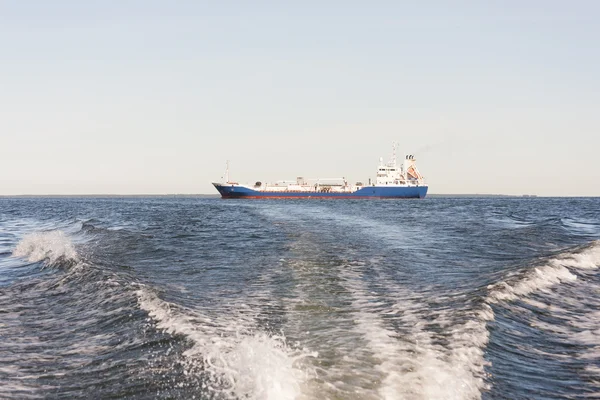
<point>412,182</point>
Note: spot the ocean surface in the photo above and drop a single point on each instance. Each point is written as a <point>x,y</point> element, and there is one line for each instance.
<point>190,298</point>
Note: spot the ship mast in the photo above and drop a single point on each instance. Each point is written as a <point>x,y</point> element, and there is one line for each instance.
<point>227,171</point>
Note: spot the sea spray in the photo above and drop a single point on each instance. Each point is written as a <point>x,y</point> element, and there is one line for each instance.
<point>242,362</point>
<point>52,247</point>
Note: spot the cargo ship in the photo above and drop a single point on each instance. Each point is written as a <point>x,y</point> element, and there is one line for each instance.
<point>392,182</point>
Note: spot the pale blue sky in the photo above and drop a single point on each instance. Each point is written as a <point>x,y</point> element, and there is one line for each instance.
<point>154,96</point>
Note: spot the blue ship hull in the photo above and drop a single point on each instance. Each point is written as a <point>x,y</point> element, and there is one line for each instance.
<point>367,192</point>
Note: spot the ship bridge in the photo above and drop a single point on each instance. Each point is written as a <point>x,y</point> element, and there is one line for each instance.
<point>391,174</point>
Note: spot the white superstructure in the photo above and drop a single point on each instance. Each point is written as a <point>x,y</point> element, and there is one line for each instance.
<point>405,175</point>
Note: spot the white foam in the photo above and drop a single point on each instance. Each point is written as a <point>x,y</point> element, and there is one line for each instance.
<point>50,246</point>
<point>540,279</point>
<point>415,366</point>
<point>587,259</point>
<point>556,271</point>
<point>243,362</point>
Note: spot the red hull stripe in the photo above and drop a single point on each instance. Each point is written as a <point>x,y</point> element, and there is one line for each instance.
<point>316,197</point>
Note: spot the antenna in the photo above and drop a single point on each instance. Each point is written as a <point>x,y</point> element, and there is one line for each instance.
<point>394,145</point>
<point>227,171</point>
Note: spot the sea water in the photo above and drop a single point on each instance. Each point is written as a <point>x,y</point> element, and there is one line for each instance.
<point>166,297</point>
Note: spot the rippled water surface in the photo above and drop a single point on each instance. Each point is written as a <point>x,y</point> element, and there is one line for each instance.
<point>443,298</point>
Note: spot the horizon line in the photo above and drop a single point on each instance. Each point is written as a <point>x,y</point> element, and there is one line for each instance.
<point>211,195</point>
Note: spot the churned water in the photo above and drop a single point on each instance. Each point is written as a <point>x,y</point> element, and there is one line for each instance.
<point>443,298</point>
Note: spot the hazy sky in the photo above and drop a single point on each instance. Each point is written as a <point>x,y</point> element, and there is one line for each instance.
<point>154,96</point>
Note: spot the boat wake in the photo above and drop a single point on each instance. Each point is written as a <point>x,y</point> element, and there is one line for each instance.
<point>419,345</point>
<point>423,349</point>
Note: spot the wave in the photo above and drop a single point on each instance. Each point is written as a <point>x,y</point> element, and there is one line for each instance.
<point>78,319</point>
<point>456,370</point>
<point>53,247</point>
<point>581,227</point>
<point>242,362</point>
<point>553,302</point>
<point>559,269</point>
